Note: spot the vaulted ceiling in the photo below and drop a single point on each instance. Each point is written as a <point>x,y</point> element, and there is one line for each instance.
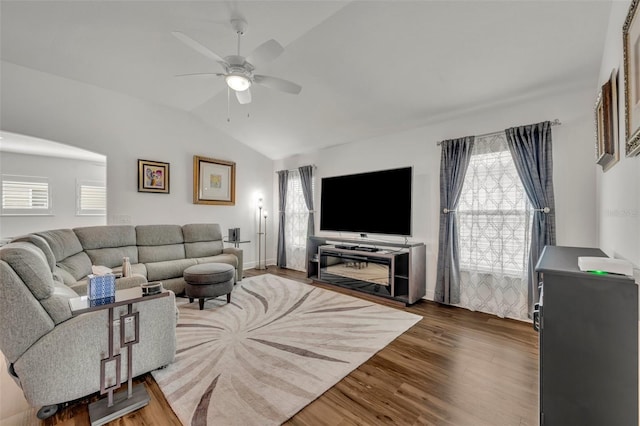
<point>366,67</point>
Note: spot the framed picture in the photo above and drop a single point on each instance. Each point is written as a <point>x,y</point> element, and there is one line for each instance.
<point>214,181</point>
<point>631,47</point>
<point>606,116</point>
<point>153,176</point>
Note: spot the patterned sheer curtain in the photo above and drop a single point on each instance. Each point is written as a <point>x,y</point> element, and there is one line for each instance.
<point>494,219</point>
<point>296,224</point>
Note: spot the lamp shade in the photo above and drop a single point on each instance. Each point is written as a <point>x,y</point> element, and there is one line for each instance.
<point>238,82</point>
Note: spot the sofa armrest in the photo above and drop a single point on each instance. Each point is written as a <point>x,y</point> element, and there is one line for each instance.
<point>238,253</point>
<point>65,363</point>
<point>134,280</point>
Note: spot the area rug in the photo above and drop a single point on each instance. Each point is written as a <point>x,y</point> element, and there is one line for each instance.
<point>275,348</point>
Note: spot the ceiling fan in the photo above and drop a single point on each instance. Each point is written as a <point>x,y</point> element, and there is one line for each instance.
<point>238,70</point>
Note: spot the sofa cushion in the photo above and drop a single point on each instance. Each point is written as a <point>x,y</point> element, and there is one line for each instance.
<point>78,265</point>
<point>108,245</point>
<point>202,239</point>
<point>229,259</point>
<point>158,235</point>
<point>150,254</point>
<point>203,248</point>
<point>57,304</point>
<point>99,237</point>
<point>67,251</point>
<point>65,276</point>
<point>30,264</point>
<point>24,326</point>
<point>42,244</point>
<point>113,256</point>
<point>195,232</point>
<point>63,243</point>
<point>170,269</point>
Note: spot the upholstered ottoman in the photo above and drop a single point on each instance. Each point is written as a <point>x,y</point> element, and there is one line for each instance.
<point>208,280</point>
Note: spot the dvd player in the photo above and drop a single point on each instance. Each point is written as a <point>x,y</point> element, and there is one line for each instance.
<point>359,248</point>
<point>346,247</point>
<point>369,249</point>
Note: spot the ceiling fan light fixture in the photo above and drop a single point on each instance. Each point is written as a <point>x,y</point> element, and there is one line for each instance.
<point>238,82</point>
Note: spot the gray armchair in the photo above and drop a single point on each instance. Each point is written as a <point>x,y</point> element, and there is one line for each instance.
<point>53,356</point>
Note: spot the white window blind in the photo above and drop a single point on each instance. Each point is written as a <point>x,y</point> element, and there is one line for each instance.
<point>25,195</point>
<point>91,198</point>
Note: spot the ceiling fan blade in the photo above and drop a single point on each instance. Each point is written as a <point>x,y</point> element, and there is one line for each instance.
<point>278,84</point>
<point>244,97</point>
<point>201,75</point>
<point>266,52</point>
<point>199,47</point>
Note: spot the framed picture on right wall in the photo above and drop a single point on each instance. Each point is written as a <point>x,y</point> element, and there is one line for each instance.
<point>631,48</point>
<point>606,117</point>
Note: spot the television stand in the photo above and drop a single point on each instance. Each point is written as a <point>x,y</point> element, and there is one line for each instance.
<point>391,270</point>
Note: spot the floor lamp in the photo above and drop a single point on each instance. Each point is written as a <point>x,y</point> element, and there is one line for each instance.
<point>260,234</point>
<point>265,240</point>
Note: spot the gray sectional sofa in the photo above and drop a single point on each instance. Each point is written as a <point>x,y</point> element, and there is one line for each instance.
<point>54,356</point>
<point>156,252</point>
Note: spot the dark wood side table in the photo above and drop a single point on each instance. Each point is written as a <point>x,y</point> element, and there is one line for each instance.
<point>112,407</point>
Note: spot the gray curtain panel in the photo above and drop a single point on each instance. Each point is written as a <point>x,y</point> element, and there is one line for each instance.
<point>283,179</point>
<point>306,178</point>
<point>454,162</point>
<point>530,148</point>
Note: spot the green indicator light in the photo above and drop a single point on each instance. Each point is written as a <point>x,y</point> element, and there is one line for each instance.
<point>599,272</point>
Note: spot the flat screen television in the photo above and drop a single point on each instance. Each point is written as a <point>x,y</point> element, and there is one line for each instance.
<point>375,202</point>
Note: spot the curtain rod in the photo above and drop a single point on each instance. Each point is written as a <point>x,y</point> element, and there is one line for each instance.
<point>555,122</point>
<point>293,170</point>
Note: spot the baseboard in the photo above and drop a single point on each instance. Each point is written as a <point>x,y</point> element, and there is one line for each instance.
<point>431,295</point>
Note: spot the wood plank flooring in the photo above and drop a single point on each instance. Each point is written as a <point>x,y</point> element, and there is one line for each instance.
<point>454,367</point>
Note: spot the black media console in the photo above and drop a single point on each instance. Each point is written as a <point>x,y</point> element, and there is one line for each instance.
<point>392,270</point>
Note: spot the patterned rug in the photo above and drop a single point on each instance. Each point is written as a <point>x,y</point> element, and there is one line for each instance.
<point>274,349</point>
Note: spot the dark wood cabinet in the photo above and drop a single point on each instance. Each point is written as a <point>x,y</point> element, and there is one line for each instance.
<point>588,326</point>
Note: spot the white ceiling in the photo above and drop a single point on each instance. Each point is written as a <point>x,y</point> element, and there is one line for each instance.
<point>367,68</point>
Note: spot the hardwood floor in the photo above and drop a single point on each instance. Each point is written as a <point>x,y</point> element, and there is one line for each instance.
<point>454,367</point>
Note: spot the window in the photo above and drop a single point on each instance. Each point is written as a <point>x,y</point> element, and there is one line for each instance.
<point>91,198</point>
<point>494,223</point>
<point>25,195</point>
<point>297,216</point>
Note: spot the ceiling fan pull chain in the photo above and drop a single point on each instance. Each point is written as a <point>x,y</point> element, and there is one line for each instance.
<point>228,113</point>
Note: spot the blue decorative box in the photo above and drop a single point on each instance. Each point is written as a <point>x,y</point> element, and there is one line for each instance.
<point>100,302</point>
<point>101,286</point>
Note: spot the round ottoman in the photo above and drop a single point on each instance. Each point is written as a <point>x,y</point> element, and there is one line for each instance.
<point>208,280</point>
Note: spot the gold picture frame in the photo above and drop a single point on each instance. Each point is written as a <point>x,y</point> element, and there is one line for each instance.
<point>631,49</point>
<point>606,118</point>
<point>214,181</point>
<point>153,176</point>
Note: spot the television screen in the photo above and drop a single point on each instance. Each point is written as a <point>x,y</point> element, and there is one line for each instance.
<point>375,202</point>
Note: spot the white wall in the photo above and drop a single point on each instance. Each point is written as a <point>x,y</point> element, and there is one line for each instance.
<point>574,174</point>
<point>126,129</point>
<point>62,174</point>
<point>618,189</point>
